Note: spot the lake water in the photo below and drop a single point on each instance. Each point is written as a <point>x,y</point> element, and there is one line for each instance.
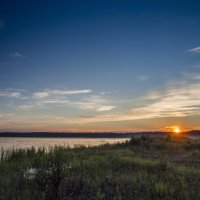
<point>20,142</point>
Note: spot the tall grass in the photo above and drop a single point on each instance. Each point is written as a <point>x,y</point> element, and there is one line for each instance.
<point>142,168</point>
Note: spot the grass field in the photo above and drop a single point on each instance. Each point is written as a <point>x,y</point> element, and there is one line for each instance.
<point>141,168</point>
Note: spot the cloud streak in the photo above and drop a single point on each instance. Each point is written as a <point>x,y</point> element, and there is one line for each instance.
<point>40,95</point>
<point>10,93</point>
<point>17,55</point>
<point>194,50</point>
<point>94,102</point>
<point>177,99</point>
<point>105,108</point>
<point>79,99</point>
<point>142,78</point>
<point>48,92</point>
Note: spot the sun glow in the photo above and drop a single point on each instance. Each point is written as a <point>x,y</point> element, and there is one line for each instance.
<point>177,130</point>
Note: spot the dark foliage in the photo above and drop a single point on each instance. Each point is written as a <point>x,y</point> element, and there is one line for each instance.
<point>143,168</point>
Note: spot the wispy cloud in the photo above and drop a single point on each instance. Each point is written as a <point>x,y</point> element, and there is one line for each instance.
<point>28,100</point>
<point>10,93</point>
<point>70,92</point>
<point>105,108</point>
<point>194,50</point>
<point>55,101</point>
<point>80,99</point>
<point>48,92</point>
<point>40,95</point>
<point>143,78</point>
<point>17,55</point>
<point>90,102</point>
<point>177,99</point>
<point>94,102</point>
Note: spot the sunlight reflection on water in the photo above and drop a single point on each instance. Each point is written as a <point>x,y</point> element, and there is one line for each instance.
<point>17,142</point>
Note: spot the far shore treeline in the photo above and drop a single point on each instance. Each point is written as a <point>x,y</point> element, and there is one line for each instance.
<point>93,135</point>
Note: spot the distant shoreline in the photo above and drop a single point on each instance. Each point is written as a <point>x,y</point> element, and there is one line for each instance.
<point>91,135</point>
<point>80,135</point>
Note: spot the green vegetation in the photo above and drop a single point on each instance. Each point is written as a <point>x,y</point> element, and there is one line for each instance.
<point>141,168</point>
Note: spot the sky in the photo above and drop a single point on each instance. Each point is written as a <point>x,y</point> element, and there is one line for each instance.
<point>95,65</point>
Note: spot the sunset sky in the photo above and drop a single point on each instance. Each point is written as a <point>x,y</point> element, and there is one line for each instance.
<point>95,65</point>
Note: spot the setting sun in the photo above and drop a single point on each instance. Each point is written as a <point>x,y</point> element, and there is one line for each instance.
<point>177,130</point>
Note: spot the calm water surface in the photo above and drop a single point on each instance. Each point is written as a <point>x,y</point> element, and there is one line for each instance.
<point>12,142</point>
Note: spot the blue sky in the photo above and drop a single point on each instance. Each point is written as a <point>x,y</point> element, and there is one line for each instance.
<point>99,65</point>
